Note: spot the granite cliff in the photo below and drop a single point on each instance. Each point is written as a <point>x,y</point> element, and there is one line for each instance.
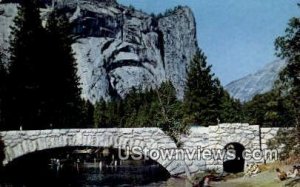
<point>118,47</point>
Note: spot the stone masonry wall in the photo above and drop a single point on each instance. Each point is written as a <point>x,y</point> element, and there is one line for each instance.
<point>251,137</point>
<point>217,137</point>
<point>19,143</point>
<point>266,135</point>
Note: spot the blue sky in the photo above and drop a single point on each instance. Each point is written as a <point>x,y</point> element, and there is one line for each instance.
<point>237,36</point>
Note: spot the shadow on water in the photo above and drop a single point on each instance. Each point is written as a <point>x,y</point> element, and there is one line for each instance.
<point>2,155</point>
<point>80,169</point>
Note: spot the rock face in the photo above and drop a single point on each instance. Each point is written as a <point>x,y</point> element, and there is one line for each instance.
<point>7,14</point>
<point>178,48</point>
<point>261,82</point>
<point>118,48</point>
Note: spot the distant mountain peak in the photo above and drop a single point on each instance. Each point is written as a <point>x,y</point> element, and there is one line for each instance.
<point>260,82</point>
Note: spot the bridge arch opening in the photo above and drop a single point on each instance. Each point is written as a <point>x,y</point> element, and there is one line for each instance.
<point>235,165</point>
<point>82,164</point>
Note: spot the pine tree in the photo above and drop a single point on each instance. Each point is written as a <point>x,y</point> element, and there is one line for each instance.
<point>133,103</point>
<point>3,94</point>
<point>203,93</point>
<point>26,62</point>
<point>231,109</point>
<point>113,113</point>
<point>87,120</point>
<point>288,47</point>
<point>263,110</point>
<point>100,114</point>
<point>62,91</point>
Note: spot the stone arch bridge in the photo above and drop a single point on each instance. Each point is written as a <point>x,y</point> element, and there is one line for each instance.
<point>183,160</point>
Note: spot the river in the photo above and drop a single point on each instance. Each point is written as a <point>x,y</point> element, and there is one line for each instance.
<point>60,168</point>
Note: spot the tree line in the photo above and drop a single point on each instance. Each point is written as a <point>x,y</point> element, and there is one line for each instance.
<point>205,103</point>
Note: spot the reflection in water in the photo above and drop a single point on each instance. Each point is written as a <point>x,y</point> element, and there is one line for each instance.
<point>73,167</point>
<point>2,155</point>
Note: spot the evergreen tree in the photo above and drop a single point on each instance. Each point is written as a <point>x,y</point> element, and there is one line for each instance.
<point>140,108</point>
<point>62,89</point>
<point>151,108</point>
<point>269,110</point>
<point>3,94</point>
<point>203,93</point>
<point>25,68</point>
<point>100,114</point>
<point>133,103</point>
<point>231,109</point>
<point>119,112</point>
<point>87,120</point>
<point>115,112</point>
<point>288,47</point>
